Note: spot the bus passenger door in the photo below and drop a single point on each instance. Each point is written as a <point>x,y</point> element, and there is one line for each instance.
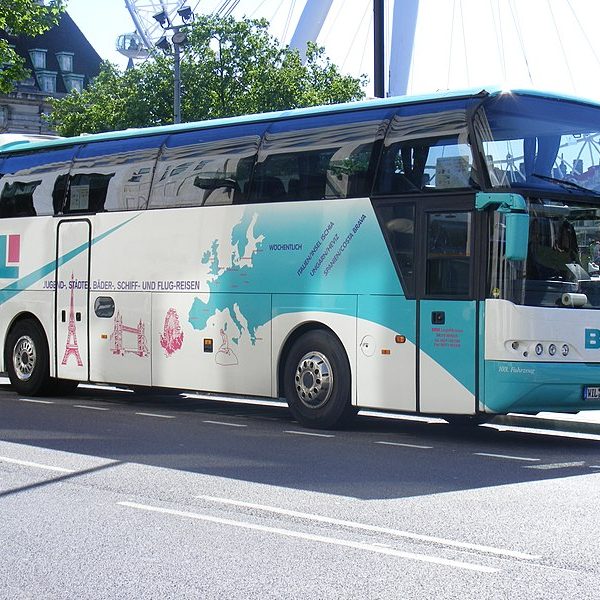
<point>447,308</point>
<point>71,299</point>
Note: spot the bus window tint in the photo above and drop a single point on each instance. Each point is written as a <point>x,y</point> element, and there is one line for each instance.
<point>112,175</point>
<point>398,221</point>
<point>426,149</point>
<point>448,254</point>
<point>329,156</point>
<point>208,167</point>
<point>34,183</point>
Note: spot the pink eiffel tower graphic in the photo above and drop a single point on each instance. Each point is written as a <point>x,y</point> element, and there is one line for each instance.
<point>72,347</point>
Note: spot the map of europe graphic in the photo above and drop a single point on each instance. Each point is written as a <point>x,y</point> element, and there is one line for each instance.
<point>233,284</point>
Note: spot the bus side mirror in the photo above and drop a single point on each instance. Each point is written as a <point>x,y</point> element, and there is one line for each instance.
<point>517,236</point>
<point>514,208</point>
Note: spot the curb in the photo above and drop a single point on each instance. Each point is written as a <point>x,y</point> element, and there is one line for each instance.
<point>544,423</point>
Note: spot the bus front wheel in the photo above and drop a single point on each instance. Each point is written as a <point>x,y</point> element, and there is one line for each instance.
<point>26,358</point>
<point>317,381</point>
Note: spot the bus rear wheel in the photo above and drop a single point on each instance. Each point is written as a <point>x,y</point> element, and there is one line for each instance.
<point>316,381</point>
<point>26,358</point>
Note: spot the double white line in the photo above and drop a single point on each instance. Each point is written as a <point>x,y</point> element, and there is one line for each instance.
<point>376,548</point>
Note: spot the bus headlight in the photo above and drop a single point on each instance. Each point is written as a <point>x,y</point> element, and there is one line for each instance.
<point>565,349</point>
<point>551,349</point>
<point>539,349</point>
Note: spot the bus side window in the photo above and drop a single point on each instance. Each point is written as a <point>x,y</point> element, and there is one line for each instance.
<point>398,224</point>
<point>426,149</point>
<point>206,167</point>
<point>312,158</point>
<point>16,199</point>
<point>29,182</point>
<point>113,175</point>
<point>87,192</point>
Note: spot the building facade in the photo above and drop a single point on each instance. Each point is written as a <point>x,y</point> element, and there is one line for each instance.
<point>59,60</point>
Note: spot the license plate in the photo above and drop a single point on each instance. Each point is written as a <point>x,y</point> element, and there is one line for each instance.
<point>591,392</point>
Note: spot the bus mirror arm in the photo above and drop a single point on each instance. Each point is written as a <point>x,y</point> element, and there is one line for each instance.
<point>516,220</point>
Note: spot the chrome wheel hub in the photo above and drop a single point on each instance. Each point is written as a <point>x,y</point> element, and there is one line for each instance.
<point>314,380</point>
<point>24,357</point>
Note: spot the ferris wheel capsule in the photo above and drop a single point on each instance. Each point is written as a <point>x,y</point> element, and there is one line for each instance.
<point>131,45</point>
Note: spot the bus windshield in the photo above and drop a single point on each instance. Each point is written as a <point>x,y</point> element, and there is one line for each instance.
<point>540,143</point>
<point>563,256</point>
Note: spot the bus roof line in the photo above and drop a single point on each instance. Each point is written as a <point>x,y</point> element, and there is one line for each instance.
<point>253,118</point>
<point>25,145</point>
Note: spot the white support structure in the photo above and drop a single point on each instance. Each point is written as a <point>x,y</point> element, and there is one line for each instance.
<point>142,14</point>
<point>309,26</point>
<point>403,37</point>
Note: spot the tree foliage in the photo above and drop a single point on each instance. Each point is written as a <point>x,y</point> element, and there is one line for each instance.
<point>22,17</point>
<point>229,67</point>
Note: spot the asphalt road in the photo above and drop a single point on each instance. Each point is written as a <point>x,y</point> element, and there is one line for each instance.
<point>113,495</point>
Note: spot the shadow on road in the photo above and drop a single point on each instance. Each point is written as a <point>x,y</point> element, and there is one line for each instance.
<point>354,463</point>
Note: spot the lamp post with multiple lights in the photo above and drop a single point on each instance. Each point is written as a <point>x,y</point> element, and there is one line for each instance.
<point>178,39</point>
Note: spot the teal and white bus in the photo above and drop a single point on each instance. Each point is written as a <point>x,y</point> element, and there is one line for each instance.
<point>432,255</point>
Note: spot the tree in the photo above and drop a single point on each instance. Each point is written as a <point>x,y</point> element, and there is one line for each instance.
<point>229,67</point>
<point>22,17</point>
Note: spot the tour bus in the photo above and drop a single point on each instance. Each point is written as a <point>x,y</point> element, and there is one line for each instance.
<point>433,255</point>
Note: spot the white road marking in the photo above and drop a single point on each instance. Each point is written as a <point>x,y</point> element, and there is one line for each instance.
<point>144,414</point>
<point>27,463</point>
<point>544,432</point>
<point>405,445</point>
<point>594,466</point>
<point>324,435</point>
<point>524,458</point>
<point>314,538</point>
<point>89,407</point>
<point>374,528</point>
<point>567,465</point>
<point>223,423</point>
<point>36,401</point>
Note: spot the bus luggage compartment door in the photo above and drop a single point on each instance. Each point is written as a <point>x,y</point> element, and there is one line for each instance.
<point>447,357</point>
<point>72,294</point>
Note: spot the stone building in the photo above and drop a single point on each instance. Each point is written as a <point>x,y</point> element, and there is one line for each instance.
<point>59,60</point>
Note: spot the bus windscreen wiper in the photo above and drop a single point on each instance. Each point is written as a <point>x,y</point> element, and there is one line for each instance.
<point>566,183</point>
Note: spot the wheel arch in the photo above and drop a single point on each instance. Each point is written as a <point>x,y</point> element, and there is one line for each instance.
<point>291,338</point>
<point>18,318</point>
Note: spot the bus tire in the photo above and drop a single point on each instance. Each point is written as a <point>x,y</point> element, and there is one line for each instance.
<point>27,359</point>
<point>316,381</point>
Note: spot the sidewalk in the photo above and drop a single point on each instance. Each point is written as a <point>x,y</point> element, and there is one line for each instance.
<point>581,422</point>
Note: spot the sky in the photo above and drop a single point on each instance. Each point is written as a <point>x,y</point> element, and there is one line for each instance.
<point>551,45</point>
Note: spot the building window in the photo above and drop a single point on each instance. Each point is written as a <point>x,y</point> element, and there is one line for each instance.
<point>73,82</point>
<point>65,61</point>
<point>3,117</point>
<point>47,81</point>
<point>38,58</point>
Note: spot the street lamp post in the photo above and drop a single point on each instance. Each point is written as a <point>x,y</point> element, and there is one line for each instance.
<point>178,39</point>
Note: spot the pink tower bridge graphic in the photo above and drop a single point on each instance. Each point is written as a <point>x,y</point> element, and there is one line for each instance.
<point>117,345</point>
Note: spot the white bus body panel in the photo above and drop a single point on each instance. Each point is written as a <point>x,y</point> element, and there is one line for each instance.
<point>506,323</point>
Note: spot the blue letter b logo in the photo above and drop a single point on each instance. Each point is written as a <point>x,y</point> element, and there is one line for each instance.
<point>592,339</point>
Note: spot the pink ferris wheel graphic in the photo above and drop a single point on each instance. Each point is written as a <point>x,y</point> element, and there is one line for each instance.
<point>171,339</point>
<point>71,347</point>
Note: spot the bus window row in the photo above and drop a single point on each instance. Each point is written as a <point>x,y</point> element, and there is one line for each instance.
<point>381,152</point>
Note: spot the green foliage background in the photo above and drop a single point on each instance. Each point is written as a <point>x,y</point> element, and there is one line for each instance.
<point>230,67</point>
